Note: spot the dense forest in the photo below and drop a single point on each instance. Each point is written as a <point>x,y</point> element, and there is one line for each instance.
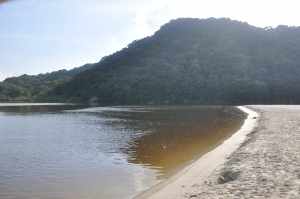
<point>187,61</point>
<point>34,88</point>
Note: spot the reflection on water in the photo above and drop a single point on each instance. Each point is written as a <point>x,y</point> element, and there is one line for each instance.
<point>46,152</point>
<point>179,135</point>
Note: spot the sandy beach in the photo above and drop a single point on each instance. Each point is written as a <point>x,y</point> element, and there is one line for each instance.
<point>261,160</point>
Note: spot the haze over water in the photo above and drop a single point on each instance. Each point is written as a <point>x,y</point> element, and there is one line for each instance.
<point>113,152</point>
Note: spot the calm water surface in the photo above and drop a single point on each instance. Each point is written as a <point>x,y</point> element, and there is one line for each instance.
<point>66,152</point>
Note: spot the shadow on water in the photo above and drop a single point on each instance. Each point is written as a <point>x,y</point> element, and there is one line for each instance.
<point>168,138</point>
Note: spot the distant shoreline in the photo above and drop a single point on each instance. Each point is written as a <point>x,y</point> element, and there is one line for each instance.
<point>33,104</point>
<point>194,175</point>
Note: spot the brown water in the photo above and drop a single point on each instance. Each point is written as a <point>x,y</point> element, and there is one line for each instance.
<point>94,153</point>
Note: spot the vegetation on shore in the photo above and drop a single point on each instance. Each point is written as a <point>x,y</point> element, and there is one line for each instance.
<point>32,88</point>
<point>188,61</point>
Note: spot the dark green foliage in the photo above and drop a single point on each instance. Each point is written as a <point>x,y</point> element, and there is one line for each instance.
<point>193,61</point>
<point>34,88</point>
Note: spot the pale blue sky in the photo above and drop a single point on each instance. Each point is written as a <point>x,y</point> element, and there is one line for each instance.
<point>44,35</point>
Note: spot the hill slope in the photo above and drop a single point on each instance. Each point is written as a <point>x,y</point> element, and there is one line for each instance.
<point>33,88</point>
<point>192,61</point>
<point>188,61</point>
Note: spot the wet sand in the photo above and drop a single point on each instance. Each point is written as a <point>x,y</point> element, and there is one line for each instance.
<point>188,182</point>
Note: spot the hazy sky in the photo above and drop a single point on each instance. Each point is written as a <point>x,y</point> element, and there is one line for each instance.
<point>45,35</point>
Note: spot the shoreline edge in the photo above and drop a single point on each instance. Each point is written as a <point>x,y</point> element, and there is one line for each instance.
<point>182,183</point>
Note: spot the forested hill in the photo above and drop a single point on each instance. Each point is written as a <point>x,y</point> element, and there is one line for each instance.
<point>194,61</point>
<point>34,88</point>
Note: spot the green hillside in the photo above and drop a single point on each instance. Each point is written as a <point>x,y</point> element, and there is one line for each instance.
<point>193,61</point>
<point>34,88</point>
<point>188,61</point>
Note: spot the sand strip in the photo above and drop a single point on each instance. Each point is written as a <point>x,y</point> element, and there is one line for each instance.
<point>267,165</point>
<point>184,184</point>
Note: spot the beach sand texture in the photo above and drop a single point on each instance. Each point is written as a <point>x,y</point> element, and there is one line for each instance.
<point>265,165</point>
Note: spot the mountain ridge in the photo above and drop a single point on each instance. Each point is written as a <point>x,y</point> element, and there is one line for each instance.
<point>194,61</point>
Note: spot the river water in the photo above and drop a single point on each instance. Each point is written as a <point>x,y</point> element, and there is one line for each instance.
<point>70,152</point>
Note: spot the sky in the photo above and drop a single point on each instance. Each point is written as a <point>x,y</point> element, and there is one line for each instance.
<point>38,36</point>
